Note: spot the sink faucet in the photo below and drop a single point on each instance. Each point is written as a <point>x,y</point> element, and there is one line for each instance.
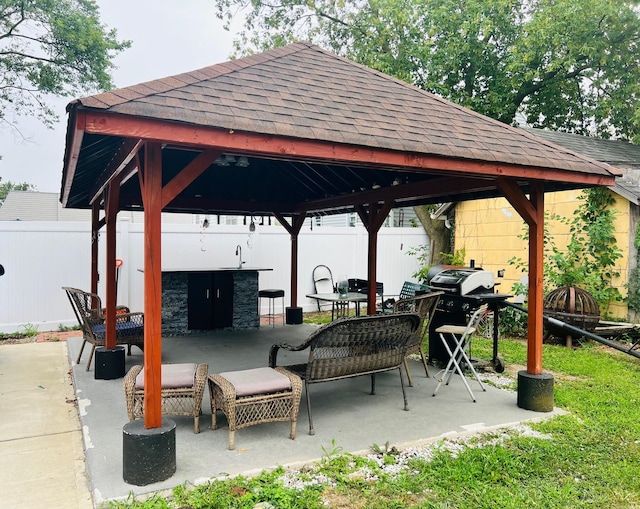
<point>239,253</point>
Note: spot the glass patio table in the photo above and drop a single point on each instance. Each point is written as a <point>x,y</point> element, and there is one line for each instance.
<point>340,303</point>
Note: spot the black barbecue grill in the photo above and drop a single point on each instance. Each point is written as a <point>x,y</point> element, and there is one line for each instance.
<point>465,290</point>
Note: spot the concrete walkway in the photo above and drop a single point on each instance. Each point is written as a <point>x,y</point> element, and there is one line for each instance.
<point>40,436</point>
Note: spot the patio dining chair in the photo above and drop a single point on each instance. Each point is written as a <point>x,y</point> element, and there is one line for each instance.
<point>323,283</point>
<point>424,306</point>
<point>88,310</point>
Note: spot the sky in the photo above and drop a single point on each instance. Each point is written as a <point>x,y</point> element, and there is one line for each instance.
<point>168,38</point>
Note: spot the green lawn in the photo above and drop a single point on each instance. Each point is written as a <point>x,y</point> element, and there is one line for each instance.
<point>589,458</point>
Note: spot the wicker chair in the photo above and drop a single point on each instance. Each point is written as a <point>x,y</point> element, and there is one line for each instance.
<point>425,306</point>
<point>182,391</point>
<point>350,347</point>
<point>88,310</point>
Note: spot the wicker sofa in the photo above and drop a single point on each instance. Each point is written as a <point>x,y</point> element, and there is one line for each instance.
<point>351,347</point>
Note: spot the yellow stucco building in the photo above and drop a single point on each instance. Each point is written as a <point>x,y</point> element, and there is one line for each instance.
<point>490,231</point>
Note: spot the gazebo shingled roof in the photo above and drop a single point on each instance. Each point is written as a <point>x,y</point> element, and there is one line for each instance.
<point>322,135</point>
<point>301,92</point>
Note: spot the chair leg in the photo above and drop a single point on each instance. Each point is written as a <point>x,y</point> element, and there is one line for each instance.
<point>404,392</point>
<point>424,363</point>
<point>306,390</point>
<point>93,348</point>
<point>406,368</point>
<point>84,342</point>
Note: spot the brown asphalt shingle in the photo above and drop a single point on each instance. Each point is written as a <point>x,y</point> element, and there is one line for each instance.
<point>303,91</point>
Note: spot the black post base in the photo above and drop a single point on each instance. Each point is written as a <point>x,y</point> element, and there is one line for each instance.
<point>535,392</point>
<point>109,364</point>
<point>294,315</point>
<point>149,455</point>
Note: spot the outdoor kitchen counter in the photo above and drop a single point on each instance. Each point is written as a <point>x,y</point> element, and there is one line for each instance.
<point>195,300</point>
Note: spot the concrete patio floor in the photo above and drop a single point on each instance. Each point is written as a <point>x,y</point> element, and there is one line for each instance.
<point>343,412</point>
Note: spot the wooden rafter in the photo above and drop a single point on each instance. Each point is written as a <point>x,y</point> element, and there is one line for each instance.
<point>119,163</point>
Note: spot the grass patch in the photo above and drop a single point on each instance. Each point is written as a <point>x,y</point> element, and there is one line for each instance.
<point>588,459</point>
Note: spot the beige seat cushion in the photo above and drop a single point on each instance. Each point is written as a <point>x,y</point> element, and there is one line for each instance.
<point>174,376</point>
<point>251,382</point>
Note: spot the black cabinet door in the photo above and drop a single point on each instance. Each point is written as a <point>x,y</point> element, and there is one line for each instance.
<point>200,301</point>
<point>222,300</point>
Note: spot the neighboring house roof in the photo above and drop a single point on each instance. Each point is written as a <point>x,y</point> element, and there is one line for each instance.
<point>39,206</point>
<point>623,155</point>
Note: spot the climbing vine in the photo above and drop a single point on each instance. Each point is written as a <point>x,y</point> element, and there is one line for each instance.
<point>633,286</point>
<point>589,259</point>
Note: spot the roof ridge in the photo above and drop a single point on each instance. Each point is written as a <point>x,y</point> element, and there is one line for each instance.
<point>160,85</point>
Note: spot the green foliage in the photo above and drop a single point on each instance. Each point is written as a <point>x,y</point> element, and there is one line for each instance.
<point>589,260</point>
<point>422,254</point>
<point>571,65</point>
<point>7,186</point>
<point>52,47</point>
<point>633,285</point>
<point>457,258</point>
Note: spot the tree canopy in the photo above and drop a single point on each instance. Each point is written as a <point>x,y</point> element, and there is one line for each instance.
<point>54,47</point>
<point>571,65</point>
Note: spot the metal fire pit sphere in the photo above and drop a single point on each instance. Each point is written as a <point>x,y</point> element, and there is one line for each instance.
<point>574,306</point>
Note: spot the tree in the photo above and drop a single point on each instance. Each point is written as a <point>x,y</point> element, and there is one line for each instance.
<point>570,65</point>
<point>54,47</point>
<point>7,186</point>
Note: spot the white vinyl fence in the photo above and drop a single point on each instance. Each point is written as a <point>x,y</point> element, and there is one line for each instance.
<point>41,257</point>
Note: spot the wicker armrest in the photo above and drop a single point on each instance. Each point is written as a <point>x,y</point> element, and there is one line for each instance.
<point>273,351</point>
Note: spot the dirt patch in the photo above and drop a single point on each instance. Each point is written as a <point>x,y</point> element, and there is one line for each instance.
<point>41,337</point>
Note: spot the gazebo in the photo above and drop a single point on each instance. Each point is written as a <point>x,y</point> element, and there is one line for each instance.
<point>296,132</point>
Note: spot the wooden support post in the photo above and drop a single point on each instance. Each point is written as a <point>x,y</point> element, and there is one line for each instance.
<point>532,211</point>
<point>373,219</point>
<point>95,232</point>
<point>111,206</point>
<point>294,231</point>
<point>151,179</point>
<point>536,282</point>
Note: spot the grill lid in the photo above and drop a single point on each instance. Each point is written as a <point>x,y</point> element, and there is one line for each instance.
<point>463,281</point>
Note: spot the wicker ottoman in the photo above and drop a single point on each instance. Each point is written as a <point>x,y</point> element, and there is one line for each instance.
<point>255,396</point>
<point>182,388</point>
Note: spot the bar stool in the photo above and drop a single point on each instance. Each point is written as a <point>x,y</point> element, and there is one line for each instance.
<point>272,294</point>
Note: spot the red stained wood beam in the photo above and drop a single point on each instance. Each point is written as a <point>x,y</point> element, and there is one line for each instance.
<point>121,162</point>
<point>532,211</point>
<point>74,142</point>
<point>151,176</point>
<point>187,175</point>
<point>373,219</point>
<point>284,148</point>
<point>95,229</point>
<point>111,206</point>
<point>294,230</point>
<point>536,282</point>
<point>518,200</point>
